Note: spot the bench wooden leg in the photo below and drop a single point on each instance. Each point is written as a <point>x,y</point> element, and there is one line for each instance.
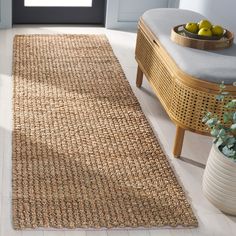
<point>179,138</point>
<point>139,79</point>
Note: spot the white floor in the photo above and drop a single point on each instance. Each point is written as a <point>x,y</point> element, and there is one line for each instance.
<point>189,169</point>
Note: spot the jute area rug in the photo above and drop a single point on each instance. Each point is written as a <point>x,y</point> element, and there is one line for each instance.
<point>84,155</point>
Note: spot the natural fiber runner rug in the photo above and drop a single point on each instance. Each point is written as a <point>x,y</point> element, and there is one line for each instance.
<point>84,155</point>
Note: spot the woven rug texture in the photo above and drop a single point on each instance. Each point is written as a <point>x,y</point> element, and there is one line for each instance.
<point>84,155</point>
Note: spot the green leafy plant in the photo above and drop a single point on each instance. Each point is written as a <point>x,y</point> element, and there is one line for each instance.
<point>223,131</point>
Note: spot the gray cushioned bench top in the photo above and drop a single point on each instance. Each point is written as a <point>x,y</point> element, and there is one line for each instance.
<point>213,66</point>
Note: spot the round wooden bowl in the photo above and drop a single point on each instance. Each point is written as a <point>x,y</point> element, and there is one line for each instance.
<point>179,36</point>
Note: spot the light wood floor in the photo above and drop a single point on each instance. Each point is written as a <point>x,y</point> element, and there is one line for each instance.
<point>189,169</point>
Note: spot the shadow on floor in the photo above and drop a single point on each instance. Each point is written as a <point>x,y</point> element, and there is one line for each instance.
<point>192,162</point>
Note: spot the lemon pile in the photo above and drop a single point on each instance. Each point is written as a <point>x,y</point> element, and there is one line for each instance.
<point>205,28</point>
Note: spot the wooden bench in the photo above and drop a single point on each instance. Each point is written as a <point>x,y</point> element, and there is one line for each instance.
<point>186,93</point>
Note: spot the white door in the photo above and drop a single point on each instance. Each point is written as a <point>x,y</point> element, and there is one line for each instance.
<point>126,13</point>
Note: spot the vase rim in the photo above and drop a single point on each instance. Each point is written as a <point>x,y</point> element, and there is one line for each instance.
<point>222,154</point>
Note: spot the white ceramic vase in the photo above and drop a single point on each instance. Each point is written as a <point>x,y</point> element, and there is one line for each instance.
<point>219,181</point>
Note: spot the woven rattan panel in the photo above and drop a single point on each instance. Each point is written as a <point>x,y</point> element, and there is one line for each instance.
<point>84,155</point>
<point>157,74</point>
<point>189,106</point>
<point>184,104</point>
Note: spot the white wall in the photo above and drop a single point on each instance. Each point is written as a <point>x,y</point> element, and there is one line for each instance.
<point>131,10</point>
<point>221,12</point>
<point>5,13</point>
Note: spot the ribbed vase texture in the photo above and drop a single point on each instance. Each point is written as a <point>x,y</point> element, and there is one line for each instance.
<point>219,181</point>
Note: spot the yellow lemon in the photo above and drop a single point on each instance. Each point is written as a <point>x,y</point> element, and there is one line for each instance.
<point>191,27</point>
<point>217,30</point>
<point>204,24</point>
<point>205,32</point>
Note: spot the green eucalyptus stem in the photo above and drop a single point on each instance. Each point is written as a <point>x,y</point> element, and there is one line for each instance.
<point>223,131</point>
